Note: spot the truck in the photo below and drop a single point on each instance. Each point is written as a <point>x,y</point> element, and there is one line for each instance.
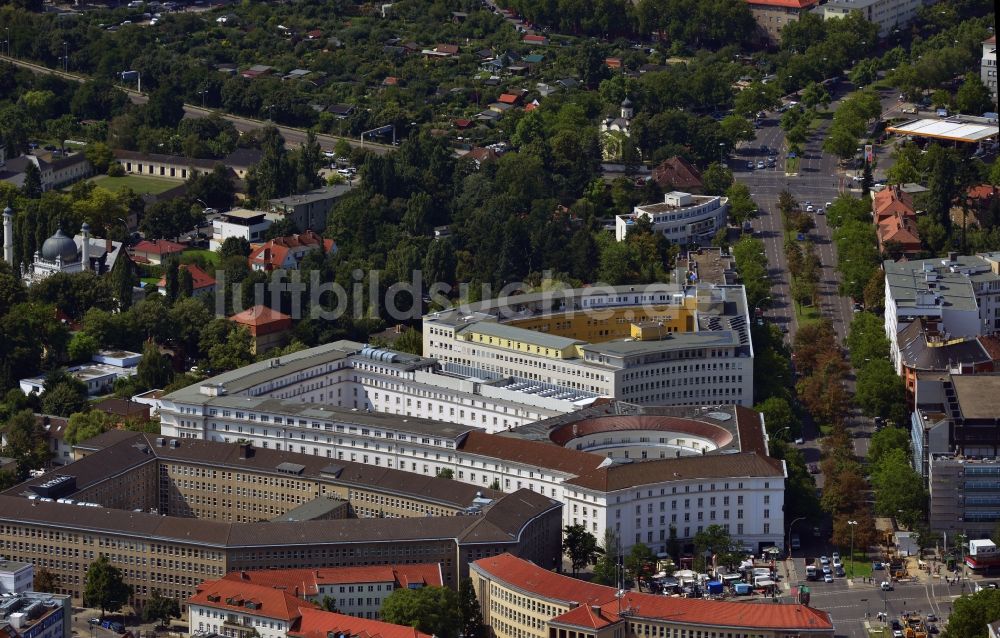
<point>811,573</point>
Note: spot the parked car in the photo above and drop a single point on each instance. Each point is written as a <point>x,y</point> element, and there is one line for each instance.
<point>749,166</point>
<point>836,557</point>
<point>760,164</point>
<point>827,578</point>
<point>823,560</point>
<point>932,617</point>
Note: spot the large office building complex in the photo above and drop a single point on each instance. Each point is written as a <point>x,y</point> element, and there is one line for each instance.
<point>31,614</point>
<point>685,467</point>
<point>171,513</point>
<point>658,344</point>
<point>960,295</point>
<point>521,600</point>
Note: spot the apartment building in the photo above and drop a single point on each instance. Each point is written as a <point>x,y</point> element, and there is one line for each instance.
<point>960,294</point>
<point>659,344</point>
<point>772,15</point>
<point>151,492</point>
<point>682,218</point>
<point>956,446</point>
<point>521,600</point>
<point>887,15</point>
<point>988,65</point>
<point>16,577</point>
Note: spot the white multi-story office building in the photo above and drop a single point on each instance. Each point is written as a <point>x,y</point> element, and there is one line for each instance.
<point>682,218</point>
<point>683,467</point>
<point>660,344</point>
<point>961,293</point>
<point>885,14</point>
<point>988,67</point>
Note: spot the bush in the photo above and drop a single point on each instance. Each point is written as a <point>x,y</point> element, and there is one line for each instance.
<point>116,170</point>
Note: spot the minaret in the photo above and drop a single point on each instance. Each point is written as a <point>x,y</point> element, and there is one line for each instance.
<point>8,236</point>
<point>85,253</point>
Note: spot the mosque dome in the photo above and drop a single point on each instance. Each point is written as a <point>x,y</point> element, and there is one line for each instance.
<point>60,246</point>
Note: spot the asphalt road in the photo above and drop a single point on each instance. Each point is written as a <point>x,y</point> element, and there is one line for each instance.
<point>294,137</point>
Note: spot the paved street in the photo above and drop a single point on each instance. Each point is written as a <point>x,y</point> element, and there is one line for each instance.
<point>294,137</point>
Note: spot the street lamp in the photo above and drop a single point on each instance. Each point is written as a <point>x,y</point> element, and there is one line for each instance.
<point>65,58</point>
<point>722,146</point>
<point>852,524</point>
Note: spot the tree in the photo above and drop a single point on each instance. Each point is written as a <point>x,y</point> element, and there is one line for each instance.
<point>899,489</point>
<point>81,347</point>
<point>63,394</point>
<point>724,548</point>
<point>580,546</point>
<point>973,97</point>
<point>99,156</point>
<point>432,610</point>
<point>237,246</point>
<point>172,280</point>
<point>779,417</point>
<point>716,179</point>
<point>105,586</point>
<point>87,425</point>
<point>446,473</point>
<point>160,608</point>
<point>971,614</point>
<point>273,175</point>
<point>32,187</point>
<point>469,611</point>
<point>606,566</point>
<point>215,187</point>
<point>880,391</point>
<point>233,353</point>
<point>46,581</point>
<point>154,369</point>
<point>640,560</point>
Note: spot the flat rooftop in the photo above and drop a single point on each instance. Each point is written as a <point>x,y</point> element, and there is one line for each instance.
<point>951,129</point>
<point>978,395</point>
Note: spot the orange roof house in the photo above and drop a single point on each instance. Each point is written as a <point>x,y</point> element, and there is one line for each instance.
<point>286,252</point>
<point>157,250</point>
<point>309,583</point>
<point>897,234</point>
<point>535,39</point>
<point>678,174</point>
<point>268,328</point>
<point>509,98</point>
<point>889,201</point>
<point>201,280</point>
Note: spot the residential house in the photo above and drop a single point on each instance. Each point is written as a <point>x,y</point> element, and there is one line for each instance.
<point>509,98</point>
<point>286,252</point>
<point>341,111</point>
<point>268,328</point>
<point>977,209</point>
<point>241,160</point>
<point>890,201</point>
<point>441,51</point>
<point>390,80</point>
<point>159,165</point>
<point>295,74</point>
<point>315,34</point>
<point>123,408</point>
<point>613,63</point>
<point>202,282</point>
<point>156,251</point>
<point>310,210</point>
<point>98,376</point>
<point>896,223</point>
<point>480,155</point>
<point>772,15</point>
<point>257,71</point>
<point>676,173</point>
<point>241,223</point>
<point>535,39</point>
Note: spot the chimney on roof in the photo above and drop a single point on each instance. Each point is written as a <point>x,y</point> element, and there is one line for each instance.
<point>246,450</point>
<point>952,256</point>
<point>108,247</point>
<point>596,609</point>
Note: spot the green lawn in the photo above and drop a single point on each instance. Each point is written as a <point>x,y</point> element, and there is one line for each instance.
<point>208,256</point>
<point>150,280</point>
<point>139,183</point>
<point>862,565</point>
<point>791,165</point>
<point>806,314</point>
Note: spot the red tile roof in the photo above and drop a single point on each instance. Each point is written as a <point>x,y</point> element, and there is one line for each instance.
<point>226,594</point>
<point>260,317</point>
<point>983,191</point>
<point>316,623</point>
<point>531,579</point>
<point>306,582</point>
<point>677,173</point>
<point>991,345</point>
<point>788,4</point>
<point>273,253</point>
<point>200,278</point>
<point>535,39</point>
<point>508,98</point>
<point>449,49</point>
<point>158,247</point>
<point>617,477</point>
<point>587,617</point>
<point>537,453</point>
